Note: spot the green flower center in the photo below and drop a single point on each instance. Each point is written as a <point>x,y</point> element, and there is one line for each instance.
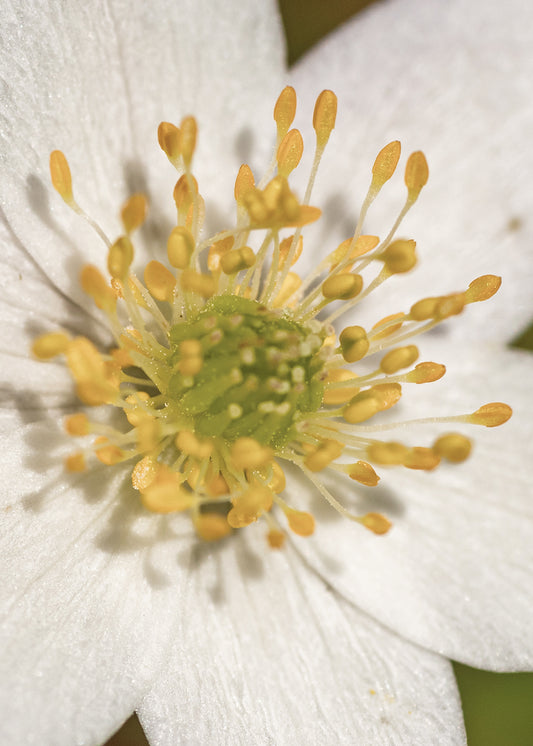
<point>242,370</point>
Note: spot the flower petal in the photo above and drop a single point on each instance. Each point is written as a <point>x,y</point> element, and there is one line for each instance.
<point>450,79</point>
<point>266,653</point>
<point>454,573</point>
<point>87,596</point>
<point>95,82</point>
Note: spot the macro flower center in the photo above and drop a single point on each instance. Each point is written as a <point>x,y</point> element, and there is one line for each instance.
<point>226,364</point>
<point>242,370</point>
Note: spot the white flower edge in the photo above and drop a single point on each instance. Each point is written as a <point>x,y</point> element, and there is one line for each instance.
<point>265,652</point>
<point>438,77</point>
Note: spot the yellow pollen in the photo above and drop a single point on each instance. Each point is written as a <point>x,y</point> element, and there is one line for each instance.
<point>60,175</point>
<point>75,463</point>
<point>354,343</point>
<point>426,373</point>
<point>249,505</point>
<point>324,117</point>
<point>196,282</point>
<point>189,131</point>
<point>421,458</point>
<point>364,473</point>
<point>247,453</point>
<point>120,258</point>
<point>285,111</point>
<point>77,424</point>
<point>290,152</point>
<point>180,247</point>
<point>326,452</point>
<point>362,407</point>
<point>237,259</point>
<point>416,175</point>
<point>138,413</point>
<point>385,164</point>
<point>187,442</point>
<point>169,138</point>
<point>342,287</point>
<point>50,345</point>
<point>376,523</point>
<point>300,522</point>
<point>244,183</point>
<point>491,415</point>
<point>276,538</point>
<point>483,288</point>
<point>286,245</point>
<point>401,357</point>
<point>343,394</point>
<point>400,256</point>
<point>133,212</point>
<point>387,454</point>
<point>144,473</point>
<point>160,281</point>
<point>108,453</point>
<point>453,447</point>
<point>93,283</point>
<point>211,526</point>
<point>164,494</point>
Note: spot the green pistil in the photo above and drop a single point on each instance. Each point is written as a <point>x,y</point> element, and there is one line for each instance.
<point>260,370</point>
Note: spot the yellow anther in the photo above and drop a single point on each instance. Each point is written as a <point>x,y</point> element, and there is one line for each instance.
<point>424,309</point>
<point>416,174</point>
<point>237,259</point>
<point>285,111</point>
<point>191,357</point>
<point>49,345</point>
<point>137,413</point>
<point>147,434</point>
<point>250,505</point>
<point>84,360</point>
<point>390,329</point>
<point>387,453</point>
<point>453,447</point>
<point>169,138</point>
<point>244,183</point>
<point>144,472</point>
<point>324,117</point>
<point>93,283</point>
<point>300,522</point>
<point>491,415</point>
<point>362,245</point>
<point>189,130</point>
<point>424,459</point>
<point>217,486</point>
<point>387,394</point>
<point>275,538</point>
<point>426,373</point>
<point>60,176</point>
<point>160,281</point>
<point>164,494</point>
<point>354,343</point>
<point>185,192</point>
<point>449,305</point>
<point>342,286</point>
<point>399,256</point>
<point>187,442</point>
<point>75,463</point>
<point>385,164</point>
<point>285,247</point>
<point>278,482</point>
<point>401,357</point>
<point>362,407</point>
<point>247,453</point>
<point>77,424</point>
<point>290,152</point>
<point>108,453</point>
<point>196,282</point>
<point>339,395</point>
<point>376,523</point>
<point>180,247</point>
<point>217,251</point>
<point>290,285</point>
<point>363,473</point>
<point>323,455</point>
<point>483,288</point>
<point>211,526</point>
<point>119,258</point>
<point>133,212</point>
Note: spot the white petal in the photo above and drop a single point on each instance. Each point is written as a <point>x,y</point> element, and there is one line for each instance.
<point>266,653</point>
<point>454,572</point>
<point>451,79</point>
<point>95,82</point>
<point>87,603</point>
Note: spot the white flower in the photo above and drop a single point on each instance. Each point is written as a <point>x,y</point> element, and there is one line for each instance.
<point>341,637</point>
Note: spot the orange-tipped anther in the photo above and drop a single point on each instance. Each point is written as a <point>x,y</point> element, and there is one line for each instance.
<point>324,117</point>
<point>189,130</point>
<point>285,111</point>
<point>416,174</point>
<point>300,522</point>
<point>133,212</point>
<point>491,415</point>
<point>424,459</point>
<point>290,152</point>
<point>363,473</point>
<point>211,526</point>
<point>119,258</point>
<point>93,283</point>
<point>160,281</point>
<point>75,463</point>
<point>169,137</point>
<point>453,447</point>
<point>244,182</point>
<point>385,163</point>
<point>180,247</point>
<point>49,345</point>
<point>483,288</point>
<point>276,538</point>
<point>60,176</point>
<point>77,424</point>
<point>376,523</point>
<point>426,373</point>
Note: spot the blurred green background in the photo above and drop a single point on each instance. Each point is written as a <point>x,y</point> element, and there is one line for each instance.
<point>498,708</point>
